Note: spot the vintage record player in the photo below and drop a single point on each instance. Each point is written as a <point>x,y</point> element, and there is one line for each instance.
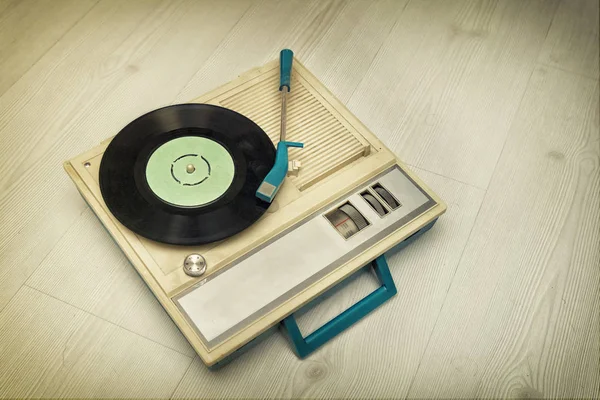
<point>234,235</point>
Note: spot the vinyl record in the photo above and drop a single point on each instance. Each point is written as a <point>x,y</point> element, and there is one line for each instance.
<point>187,174</point>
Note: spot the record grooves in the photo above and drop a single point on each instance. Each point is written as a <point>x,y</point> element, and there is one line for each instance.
<point>187,174</point>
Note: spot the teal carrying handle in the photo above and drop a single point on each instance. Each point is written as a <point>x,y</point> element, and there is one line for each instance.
<point>286,57</point>
<point>306,345</point>
<point>270,185</point>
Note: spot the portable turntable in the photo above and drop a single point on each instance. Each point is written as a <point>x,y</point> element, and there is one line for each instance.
<point>233,237</point>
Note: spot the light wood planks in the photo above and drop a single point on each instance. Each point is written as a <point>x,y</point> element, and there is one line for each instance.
<point>324,33</point>
<point>50,349</point>
<point>445,86</point>
<point>521,318</point>
<point>28,29</point>
<point>376,357</point>
<point>6,5</point>
<point>246,47</point>
<point>358,32</point>
<point>104,283</point>
<point>572,42</point>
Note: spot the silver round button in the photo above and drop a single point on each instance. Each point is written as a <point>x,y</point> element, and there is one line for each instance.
<point>194,265</point>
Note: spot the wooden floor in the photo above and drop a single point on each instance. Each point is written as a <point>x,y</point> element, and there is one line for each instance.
<point>493,103</point>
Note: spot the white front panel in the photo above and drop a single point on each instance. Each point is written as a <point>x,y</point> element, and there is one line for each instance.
<point>293,261</point>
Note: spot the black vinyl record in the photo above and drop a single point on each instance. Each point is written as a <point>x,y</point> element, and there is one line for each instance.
<point>187,174</point>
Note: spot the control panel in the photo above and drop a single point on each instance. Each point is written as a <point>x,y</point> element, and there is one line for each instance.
<point>347,220</point>
<point>259,282</point>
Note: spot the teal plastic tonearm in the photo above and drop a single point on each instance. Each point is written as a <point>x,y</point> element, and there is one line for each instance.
<point>270,185</point>
<point>274,179</point>
<point>286,58</point>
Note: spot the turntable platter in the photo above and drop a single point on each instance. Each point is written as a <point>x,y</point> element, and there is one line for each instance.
<point>187,174</point>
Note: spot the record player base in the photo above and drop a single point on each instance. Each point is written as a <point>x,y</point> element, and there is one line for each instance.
<point>294,253</point>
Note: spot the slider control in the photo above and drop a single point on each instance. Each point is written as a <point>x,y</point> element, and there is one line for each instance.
<point>386,196</point>
<point>347,220</point>
<point>374,203</point>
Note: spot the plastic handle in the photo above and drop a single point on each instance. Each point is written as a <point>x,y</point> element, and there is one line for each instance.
<point>286,57</point>
<point>305,346</point>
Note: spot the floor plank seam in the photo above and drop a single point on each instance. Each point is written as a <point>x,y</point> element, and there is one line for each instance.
<point>10,300</point>
<point>44,258</point>
<point>185,86</point>
<point>376,54</point>
<point>182,377</point>
<point>6,10</point>
<point>447,177</point>
<point>546,38</point>
<point>50,48</point>
<point>552,21</point>
<point>514,120</point>
<point>308,53</point>
<point>579,74</point>
<point>107,321</point>
<point>462,253</point>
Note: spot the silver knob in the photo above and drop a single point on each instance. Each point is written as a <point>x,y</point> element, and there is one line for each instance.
<point>194,265</point>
